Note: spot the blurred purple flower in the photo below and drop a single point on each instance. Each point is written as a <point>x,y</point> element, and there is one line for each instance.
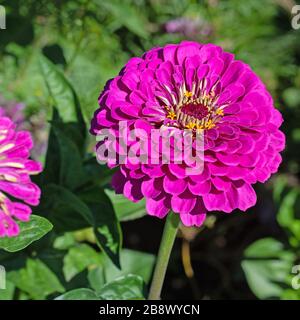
<point>13,110</point>
<point>190,28</point>
<point>36,124</point>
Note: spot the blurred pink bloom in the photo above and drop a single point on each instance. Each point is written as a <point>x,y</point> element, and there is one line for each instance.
<point>201,88</point>
<point>189,28</point>
<point>36,124</point>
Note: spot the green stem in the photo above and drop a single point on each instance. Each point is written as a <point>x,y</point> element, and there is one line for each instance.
<point>166,245</point>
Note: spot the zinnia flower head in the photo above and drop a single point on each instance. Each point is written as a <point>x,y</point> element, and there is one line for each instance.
<point>15,171</point>
<point>201,88</point>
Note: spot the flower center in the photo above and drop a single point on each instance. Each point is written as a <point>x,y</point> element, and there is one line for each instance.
<point>196,110</point>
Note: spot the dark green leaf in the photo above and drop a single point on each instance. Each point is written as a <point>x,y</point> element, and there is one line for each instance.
<point>93,208</point>
<point>100,174</point>
<point>107,227</point>
<point>70,165</point>
<point>67,211</point>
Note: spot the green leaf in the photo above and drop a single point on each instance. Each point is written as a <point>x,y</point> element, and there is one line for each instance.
<point>70,164</point>
<point>101,175</point>
<point>8,292</point>
<point>30,231</point>
<point>62,93</point>
<point>78,259</point>
<point>291,97</point>
<point>36,279</point>
<point>264,248</point>
<point>96,278</point>
<point>64,158</point>
<point>51,172</point>
<point>70,212</point>
<point>285,216</point>
<point>125,209</point>
<point>78,294</point>
<point>267,267</point>
<point>64,242</point>
<point>65,209</point>
<point>107,227</point>
<point>121,12</point>
<point>130,287</point>
<point>279,187</point>
<point>290,294</point>
<point>134,262</point>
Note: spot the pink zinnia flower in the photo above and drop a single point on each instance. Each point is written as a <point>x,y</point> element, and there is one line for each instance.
<point>15,171</point>
<point>199,87</point>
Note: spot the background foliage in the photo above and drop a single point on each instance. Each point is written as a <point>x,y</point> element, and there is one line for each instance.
<point>55,58</point>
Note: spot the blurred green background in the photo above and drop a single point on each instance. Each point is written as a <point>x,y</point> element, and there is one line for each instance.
<point>239,256</point>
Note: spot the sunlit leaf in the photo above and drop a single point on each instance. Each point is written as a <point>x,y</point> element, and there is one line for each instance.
<point>125,209</point>
<point>30,231</point>
<point>78,294</point>
<point>62,93</point>
<point>130,287</point>
<point>134,262</point>
<point>36,279</point>
<point>78,259</point>
<point>267,267</point>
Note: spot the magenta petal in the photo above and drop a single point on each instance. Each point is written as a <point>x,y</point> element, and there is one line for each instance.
<point>152,188</point>
<point>247,196</point>
<point>221,183</point>
<point>183,203</point>
<point>200,188</point>
<point>218,169</point>
<point>118,181</point>
<point>8,227</point>
<point>22,211</point>
<point>196,217</point>
<point>132,190</point>
<point>170,52</point>
<point>216,202</point>
<point>174,185</point>
<point>190,220</point>
<point>158,207</point>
